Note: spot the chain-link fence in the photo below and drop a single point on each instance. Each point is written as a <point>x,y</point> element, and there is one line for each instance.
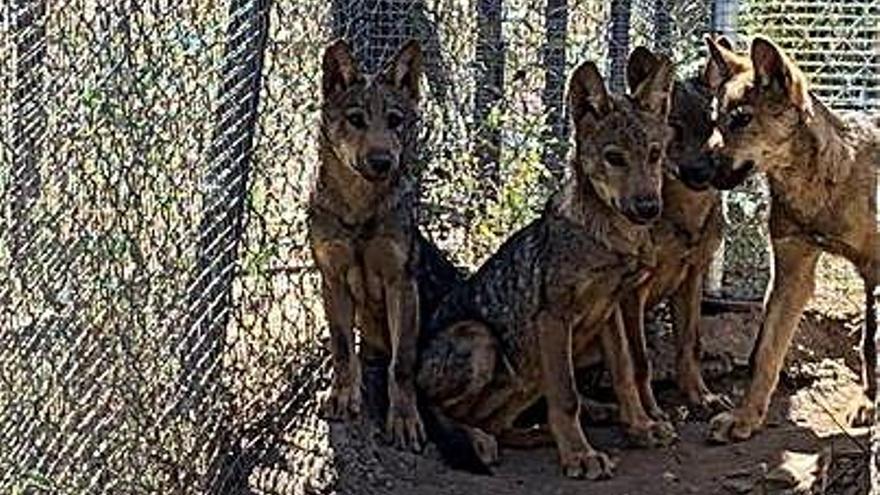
<point>160,330</point>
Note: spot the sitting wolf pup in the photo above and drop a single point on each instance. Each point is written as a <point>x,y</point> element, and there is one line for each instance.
<point>510,334</point>
<point>375,265</point>
<point>685,237</point>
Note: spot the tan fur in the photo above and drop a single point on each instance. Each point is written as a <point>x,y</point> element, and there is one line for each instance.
<point>823,178</point>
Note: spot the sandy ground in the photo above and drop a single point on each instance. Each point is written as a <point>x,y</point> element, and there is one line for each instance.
<point>818,390</point>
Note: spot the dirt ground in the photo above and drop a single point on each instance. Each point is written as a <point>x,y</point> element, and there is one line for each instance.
<point>804,448</point>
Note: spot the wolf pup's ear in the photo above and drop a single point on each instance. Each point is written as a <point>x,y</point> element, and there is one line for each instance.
<point>641,64</point>
<point>723,62</point>
<point>587,94</point>
<point>718,66</point>
<point>654,92</point>
<point>404,71</point>
<point>340,69</point>
<point>774,69</point>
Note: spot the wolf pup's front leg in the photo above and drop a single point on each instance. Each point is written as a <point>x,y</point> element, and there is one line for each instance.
<point>642,429</point>
<point>334,259</point>
<point>403,424</point>
<point>576,456</point>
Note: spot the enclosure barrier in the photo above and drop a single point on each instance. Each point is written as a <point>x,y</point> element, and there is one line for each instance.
<point>160,321</point>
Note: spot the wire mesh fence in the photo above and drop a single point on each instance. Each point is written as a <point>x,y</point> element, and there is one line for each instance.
<point>160,330</point>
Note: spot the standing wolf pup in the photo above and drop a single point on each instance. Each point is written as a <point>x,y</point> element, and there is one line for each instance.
<point>823,173</point>
<point>509,335</point>
<point>373,261</point>
<point>684,238</point>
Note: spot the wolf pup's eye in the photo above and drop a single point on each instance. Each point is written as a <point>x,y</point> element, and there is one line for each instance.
<point>739,118</point>
<point>654,154</point>
<point>395,119</point>
<point>356,118</point>
<point>615,158</point>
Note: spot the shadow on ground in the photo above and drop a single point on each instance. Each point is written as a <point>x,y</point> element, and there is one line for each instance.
<point>804,429</point>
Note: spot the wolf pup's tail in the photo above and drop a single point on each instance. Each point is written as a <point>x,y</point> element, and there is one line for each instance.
<point>452,439</point>
<point>436,276</point>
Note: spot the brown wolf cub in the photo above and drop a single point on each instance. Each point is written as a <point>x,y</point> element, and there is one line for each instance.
<point>684,238</point>
<point>373,261</point>
<point>823,171</point>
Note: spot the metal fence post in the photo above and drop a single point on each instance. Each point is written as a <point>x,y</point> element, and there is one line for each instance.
<point>225,186</point>
<point>28,120</point>
<point>618,44</point>
<point>490,59</point>
<point>662,29</point>
<point>555,33</point>
<point>724,14</point>
<point>723,21</point>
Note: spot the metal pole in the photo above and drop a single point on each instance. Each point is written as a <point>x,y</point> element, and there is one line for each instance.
<point>618,44</point>
<point>662,29</point>
<point>28,126</point>
<point>723,20</point>
<point>724,15</point>
<point>556,31</point>
<point>490,58</point>
<point>226,185</point>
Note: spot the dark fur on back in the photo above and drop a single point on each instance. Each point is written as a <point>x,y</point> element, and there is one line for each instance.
<point>510,333</point>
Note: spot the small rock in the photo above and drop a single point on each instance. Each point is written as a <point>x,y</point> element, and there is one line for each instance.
<point>798,471</point>
<point>670,477</point>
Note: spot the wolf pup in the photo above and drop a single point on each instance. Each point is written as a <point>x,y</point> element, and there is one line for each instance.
<point>362,227</point>
<point>684,238</point>
<point>823,173</point>
<point>510,334</point>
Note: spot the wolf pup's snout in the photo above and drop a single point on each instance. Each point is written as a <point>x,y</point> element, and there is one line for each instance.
<point>727,177</point>
<point>698,173</point>
<point>380,163</point>
<point>646,207</point>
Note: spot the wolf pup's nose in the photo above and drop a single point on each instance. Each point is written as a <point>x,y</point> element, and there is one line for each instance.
<point>699,172</point>
<point>647,207</point>
<point>380,161</point>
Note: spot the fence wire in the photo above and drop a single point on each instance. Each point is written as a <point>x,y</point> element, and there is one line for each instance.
<point>160,325</point>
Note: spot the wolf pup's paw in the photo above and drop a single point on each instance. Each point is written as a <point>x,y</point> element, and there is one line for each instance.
<point>652,435</point>
<point>588,464</point>
<point>404,428</point>
<point>341,402</point>
<point>485,445</point>
<point>863,415</point>
<point>731,426</point>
